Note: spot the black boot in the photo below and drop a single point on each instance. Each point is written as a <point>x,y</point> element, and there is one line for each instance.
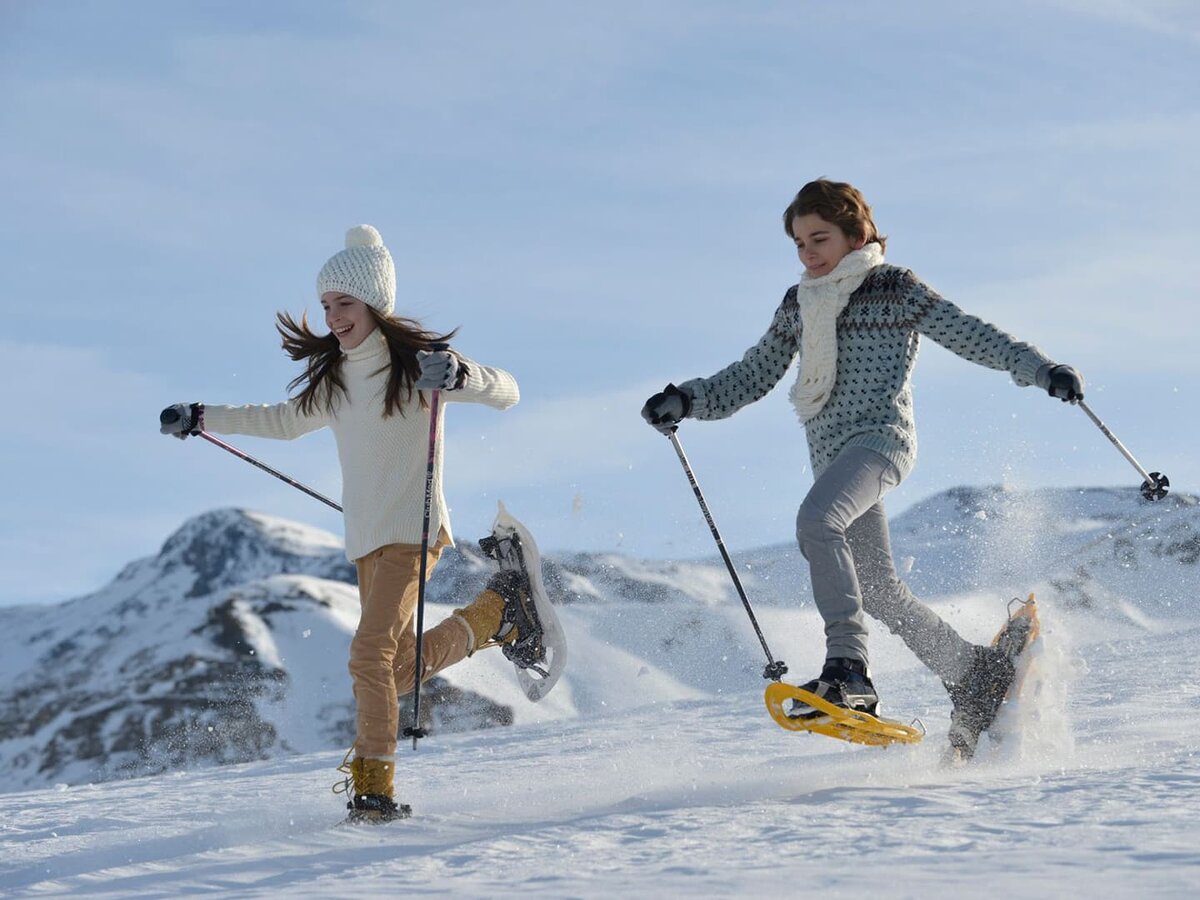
<point>977,698</point>
<point>843,682</point>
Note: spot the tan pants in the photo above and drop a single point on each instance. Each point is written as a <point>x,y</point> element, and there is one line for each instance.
<point>383,652</point>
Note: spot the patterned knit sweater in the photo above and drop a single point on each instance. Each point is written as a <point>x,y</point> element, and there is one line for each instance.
<point>383,460</point>
<point>878,336</point>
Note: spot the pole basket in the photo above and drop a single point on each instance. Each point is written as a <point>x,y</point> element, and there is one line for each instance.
<point>1156,487</point>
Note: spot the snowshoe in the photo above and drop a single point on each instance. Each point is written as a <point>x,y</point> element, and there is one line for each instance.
<point>539,651</point>
<point>375,809</point>
<point>841,703</point>
<point>991,680</point>
<point>369,782</point>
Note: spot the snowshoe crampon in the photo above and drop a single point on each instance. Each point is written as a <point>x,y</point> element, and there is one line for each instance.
<point>539,654</point>
<point>375,810</point>
<point>1022,628</point>
<point>835,721</point>
<point>974,710</point>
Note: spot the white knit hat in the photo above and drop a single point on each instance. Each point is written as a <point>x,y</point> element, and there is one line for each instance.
<point>363,270</point>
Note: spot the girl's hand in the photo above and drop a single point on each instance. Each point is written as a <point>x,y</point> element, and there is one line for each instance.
<point>667,408</point>
<point>440,370</point>
<point>1062,382</point>
<point>182,419</point>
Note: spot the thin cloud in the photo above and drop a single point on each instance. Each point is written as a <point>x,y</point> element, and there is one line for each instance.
<point>1176,19</point>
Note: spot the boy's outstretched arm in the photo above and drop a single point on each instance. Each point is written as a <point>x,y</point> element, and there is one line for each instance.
<point>742,382</point>
<point>981,342</point>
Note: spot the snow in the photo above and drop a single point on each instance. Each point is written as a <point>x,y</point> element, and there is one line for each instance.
<point>653,768</point>
<point>682,791</point>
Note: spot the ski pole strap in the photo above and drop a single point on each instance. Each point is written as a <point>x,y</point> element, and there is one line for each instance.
<point>254,462</point>
<point>775,669</point>
<point>1154,484</point>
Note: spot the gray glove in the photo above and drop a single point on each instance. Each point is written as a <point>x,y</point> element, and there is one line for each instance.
<point>181,420</point>
<point>667,408</point>
<point>1062,382</point>
<point>440,370</point>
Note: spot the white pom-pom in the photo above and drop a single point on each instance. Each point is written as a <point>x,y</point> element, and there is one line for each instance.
<point>363,236</point>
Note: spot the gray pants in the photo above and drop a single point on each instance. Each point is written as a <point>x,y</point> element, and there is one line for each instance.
<point>843,533</point>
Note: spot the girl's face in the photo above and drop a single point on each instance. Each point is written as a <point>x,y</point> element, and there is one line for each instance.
<point>820,244</point>
<point>348,318</point>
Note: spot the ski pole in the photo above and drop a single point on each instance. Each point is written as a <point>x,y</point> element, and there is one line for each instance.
<point>775,669</point>
<point>170,415</point>
<point>416,731</point>
<point>1154,484</point>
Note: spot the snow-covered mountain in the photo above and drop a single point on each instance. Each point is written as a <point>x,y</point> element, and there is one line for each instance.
<point>230,645</point>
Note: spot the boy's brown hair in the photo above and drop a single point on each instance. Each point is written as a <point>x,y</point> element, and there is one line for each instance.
<point>837,202</point>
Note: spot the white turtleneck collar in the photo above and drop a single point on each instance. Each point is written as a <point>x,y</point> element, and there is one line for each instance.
<point>374,344</point>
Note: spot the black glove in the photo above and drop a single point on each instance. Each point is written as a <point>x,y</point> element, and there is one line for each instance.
<point>441,370</point>
<point>1062,382</point>
<point>667,408</point>
<point>182,419</point>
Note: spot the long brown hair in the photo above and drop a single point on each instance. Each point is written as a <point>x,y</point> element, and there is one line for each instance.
<point>321,381</point>
<point>835,201</point>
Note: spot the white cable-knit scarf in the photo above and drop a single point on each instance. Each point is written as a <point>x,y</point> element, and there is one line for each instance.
<point>822,300</point>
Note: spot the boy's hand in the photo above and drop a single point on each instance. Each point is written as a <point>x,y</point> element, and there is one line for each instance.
<point>1062,382</point>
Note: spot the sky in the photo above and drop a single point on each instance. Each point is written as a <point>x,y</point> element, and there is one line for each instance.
<point>592,194</point>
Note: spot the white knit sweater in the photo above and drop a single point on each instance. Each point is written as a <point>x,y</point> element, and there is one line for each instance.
<point>383,459</point>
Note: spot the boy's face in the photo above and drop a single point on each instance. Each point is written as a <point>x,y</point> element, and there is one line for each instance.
<point>820,244</point>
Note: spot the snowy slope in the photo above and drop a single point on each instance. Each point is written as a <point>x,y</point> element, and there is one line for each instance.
<point>654,769</point>
<point>229,645</point>
<point>690,797</point>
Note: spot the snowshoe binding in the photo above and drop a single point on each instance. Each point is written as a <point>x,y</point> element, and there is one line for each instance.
<point>539,649</point>
<point>375,809</point>
<point>844,683</point>
<point>841,703</point>
<point>991,679</point>
<point>369,782</point>
<point>520,633</point>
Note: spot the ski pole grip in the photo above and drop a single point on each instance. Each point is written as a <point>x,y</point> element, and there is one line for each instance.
<point>439,345</point>
<point>168,416</point>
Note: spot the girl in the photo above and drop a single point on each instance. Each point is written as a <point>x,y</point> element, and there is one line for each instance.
<point>364,381</point>
<point>855,322</point>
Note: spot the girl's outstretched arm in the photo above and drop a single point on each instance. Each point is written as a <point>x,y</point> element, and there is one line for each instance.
<point>483,384</point>
<point>282,421</point>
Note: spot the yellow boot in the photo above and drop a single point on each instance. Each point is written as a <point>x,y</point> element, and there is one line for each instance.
<point>484,619</point>
<point>373,803</point>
